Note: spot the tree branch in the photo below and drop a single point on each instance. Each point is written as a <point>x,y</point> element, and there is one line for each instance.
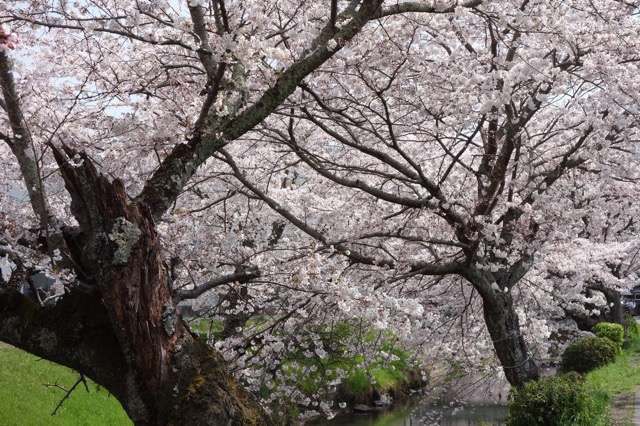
<point>175,171</point>
<point>240,277</point>
<point>66,333</point>
<point>354,256</point>
<point>82,379</point>
<point>22,145</point>
<point>421,7</point>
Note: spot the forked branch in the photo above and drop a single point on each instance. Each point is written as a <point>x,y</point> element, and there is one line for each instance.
<point>82,379</point>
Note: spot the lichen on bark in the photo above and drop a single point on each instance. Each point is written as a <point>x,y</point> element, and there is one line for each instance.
<point>169,319</point>
<point>125,235</point>
<point>48,339</point>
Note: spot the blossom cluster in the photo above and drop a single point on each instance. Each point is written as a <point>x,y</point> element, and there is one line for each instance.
<point>8,40</point>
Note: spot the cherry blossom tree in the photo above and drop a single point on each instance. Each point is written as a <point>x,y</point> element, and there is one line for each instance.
<point>112,109</point>
<point>465,146</point>
<point>408,166</point>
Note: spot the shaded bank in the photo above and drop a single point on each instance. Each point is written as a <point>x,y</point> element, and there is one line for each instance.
<point>414,412</point>
<point>444,402</point>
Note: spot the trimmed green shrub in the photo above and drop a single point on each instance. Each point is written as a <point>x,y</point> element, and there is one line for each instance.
<point>555,401</point>
<point>586,354</point>
<point>611,331</point>
<point>632,326</point>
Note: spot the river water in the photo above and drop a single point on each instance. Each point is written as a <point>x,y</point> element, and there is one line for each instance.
<point>425,415</point>
<point>484,405</point>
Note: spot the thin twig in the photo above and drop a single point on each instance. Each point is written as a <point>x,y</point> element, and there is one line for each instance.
<point>82,380</point>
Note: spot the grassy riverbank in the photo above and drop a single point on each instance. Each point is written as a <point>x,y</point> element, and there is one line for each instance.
<point>25,400</point>
<point>614,386</point>
<point>603,397</point>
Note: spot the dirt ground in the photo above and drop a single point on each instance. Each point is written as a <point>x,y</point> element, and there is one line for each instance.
<point>622,410</point>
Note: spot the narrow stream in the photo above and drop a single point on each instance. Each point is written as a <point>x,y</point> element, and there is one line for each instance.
<point>485,406</point>
<point>425,415</point>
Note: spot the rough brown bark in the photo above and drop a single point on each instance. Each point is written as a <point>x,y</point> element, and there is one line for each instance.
<point>77,332</point>
<point>585,321</point>
<point>502,321</point>
<point>124,331</point>
<point>614,301</point>
<point>504,328</point>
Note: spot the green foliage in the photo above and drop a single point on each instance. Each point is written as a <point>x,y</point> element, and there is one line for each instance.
<point>323,366</point>
<point>632,326</point>
<point>558,401</point>
<point>620,377</point>
<point>24,400</point>
<point>384,375</point>
<point>586,354</point>
<point>205,327</point>
<point>633,344</point>
<point>611,331</point>
<point>362,378</point>
<point>357,386</point>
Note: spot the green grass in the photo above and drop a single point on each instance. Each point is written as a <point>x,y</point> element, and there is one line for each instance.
<point>603,397</point>
<point>621,377</point>
<point>203,326</point>
<point>24,400</point>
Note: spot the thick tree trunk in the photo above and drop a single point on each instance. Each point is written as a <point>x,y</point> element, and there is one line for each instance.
<point>614,302</point>
<point>585,321</point>
<point>126,333</point>
<point>504,328</point>
<point>502,322</point>
<point>77,332</point>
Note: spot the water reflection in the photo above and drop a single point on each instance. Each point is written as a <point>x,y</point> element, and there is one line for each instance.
<point>423,415</point>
